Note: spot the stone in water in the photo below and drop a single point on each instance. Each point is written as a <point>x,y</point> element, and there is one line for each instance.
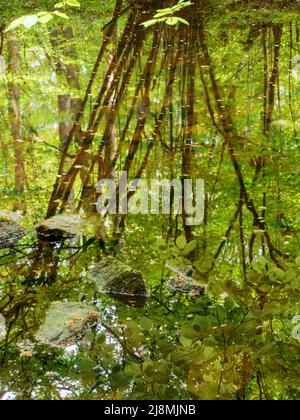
<point>10,231</point>
<point>184,283</point>
<point>66,323</point>
<point>60,227</point>
<point>116,278</point>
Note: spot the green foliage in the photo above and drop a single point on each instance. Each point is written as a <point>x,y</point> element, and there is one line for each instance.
<point>168,15</point>
<point>29,21</point>
<point>236,341</point>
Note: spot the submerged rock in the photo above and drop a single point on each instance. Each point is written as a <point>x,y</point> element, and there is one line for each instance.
<point>183,282</point>
<point>66,323</point>
<point>116,278</point>
<point>10,231</point>
<point>12,216</point>
<point>60,227</point>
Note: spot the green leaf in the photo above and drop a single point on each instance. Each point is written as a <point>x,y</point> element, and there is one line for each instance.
<point>189,332</point>
<point>60,5</point>
<point>152,22</point>
<point>148,367</point>
<point>90,337</point>
<point>163,366</point>
<point>27,21</point>
<point>60,14</point>
<point>119,379</point>
<point>146,324</point>
<point>166,10</point>
<point>260,265</point>
<point>14,24</point>
<point>72,3</point>
<point>163,13</point>
<point>183,21</point>
<point>186,342</point>
<point>133,370</point>
<point>101,339</point>
<point>161,245</point>
<point>181,5</point>
<point>202,323</point>
<point>209,352</point>
<point>181,242</point>
<point>190,247</point>
<point>85,365</point>
<point>172,21</point>
<point>45,18</point>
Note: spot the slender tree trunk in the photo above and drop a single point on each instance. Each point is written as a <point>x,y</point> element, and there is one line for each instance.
<point>68,107</point>
<point>58,191</point>
<point>15,112</point>
<point>188,129</point>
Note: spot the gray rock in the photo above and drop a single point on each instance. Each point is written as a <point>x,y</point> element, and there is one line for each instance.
<point>184,283</point>
<point>116,278</point>
<point>60,227</point>
<point>10,231</point>
<point>12,216</point>
<point>66,323</point>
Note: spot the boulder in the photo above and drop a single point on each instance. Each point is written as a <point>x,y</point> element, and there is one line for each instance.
<point>10,231</point>
<point>59,228</point>
<point>12,216</point>
<point>183,282</point>
<point>66,323</point>
<point>116,278</point>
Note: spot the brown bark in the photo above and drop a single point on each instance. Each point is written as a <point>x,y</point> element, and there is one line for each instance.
<point>188,132</point>
<point>230,135</point>
<point>14,66</point>
<point>58,187</point>
<point>63,44</point>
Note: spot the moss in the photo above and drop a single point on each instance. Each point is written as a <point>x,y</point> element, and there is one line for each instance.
<point>114,277</point>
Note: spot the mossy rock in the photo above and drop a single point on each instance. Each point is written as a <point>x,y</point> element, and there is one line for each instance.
<point>66,323</point>
<point>10,231</point>
<point>12,216</point>
<point>115,278</point>
<point>184,283</point>
<point>60,227</point>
